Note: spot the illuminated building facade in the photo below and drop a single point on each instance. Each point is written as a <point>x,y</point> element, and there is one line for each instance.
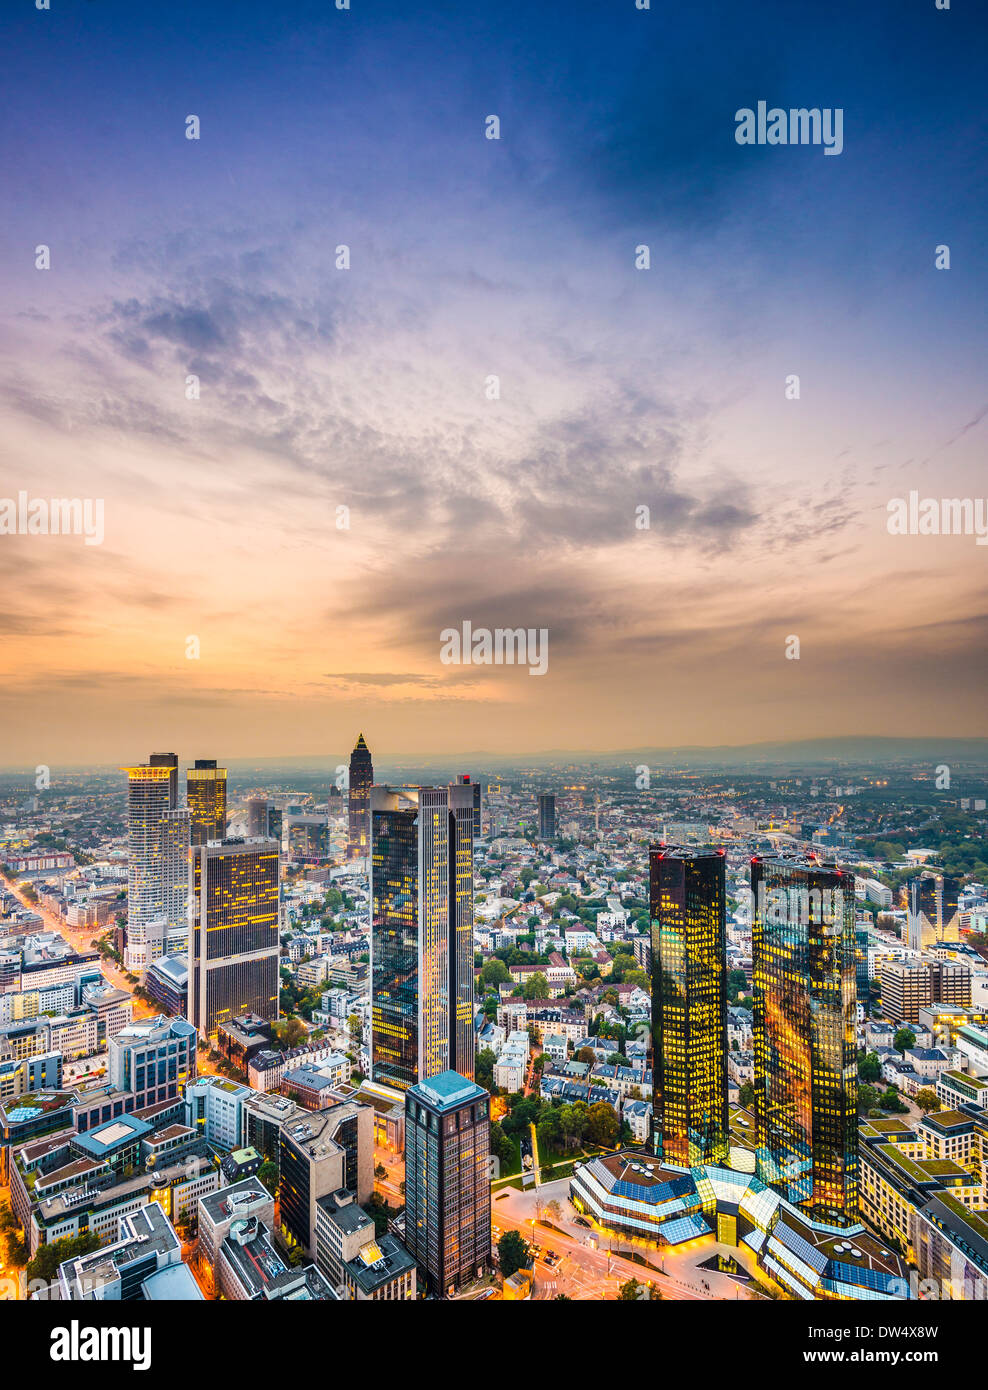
<point>447,1179</point>
<point>233,960</point>
<point>421,933</point>
<point>806,1079</point>
<point>158,847</point>
<point>359,800</point>
<point>689,1005</point>
<point>206,796</point>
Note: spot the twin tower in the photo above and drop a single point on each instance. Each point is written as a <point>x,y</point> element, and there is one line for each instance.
<point>803,982</point>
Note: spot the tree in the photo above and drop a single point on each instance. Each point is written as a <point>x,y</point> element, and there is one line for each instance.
<point>633,1292</point>
<point>49,1257</point>
<point>892,1101</point>
<point>537,986</point>
<point>927,1099</point>
<point>904,1039</point>
<point>268,1174</point>
<point>603,1125</point>
<point>868,1098</point>
<point>869,1067</point>
<point>553,1210</point>
<point>289,1033</point>
<point>586,1054</point>
<point>380,1171</point>
<point>494,973</point>
<point>513,1253</point>
<point>484,1068</point>
<point>746,1094</point>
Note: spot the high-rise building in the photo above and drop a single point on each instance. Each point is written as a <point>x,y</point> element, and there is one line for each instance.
<point>478,811</point>
<point>158,845</point>
<point>263,819</point>
<point>169,760</point>
<point>234,948</point>
<point>358,800</point>
<point>421,933</point>
<point>206,796</point>
<point>447,1179</point>
<point>320,1154</point>
<point>911,985</point>
<point>547,816</point>
<point>932,916</point>
<point>689,1005</point>
<point>806,1076</point>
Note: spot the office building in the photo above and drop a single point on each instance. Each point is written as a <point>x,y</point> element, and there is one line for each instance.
<point>804,1035</point>
<point>447,1179</point>
<point>359,800</point>
<point>219,1210</point>
<point>323,1153</point>
<point>547,816</point>
<point>932,917</point>
<point>911,985</point>
<point>158,847</point>
<point>689,1005</point>
<point>127,1270</point>
<point>478,811</point>
<point>205,789</point>
<point>170,762</point>
<point>153,1059</point>
<point>252,1269</point>
<point>421,933</point>
<point>263,819</point>
<point>233,964</point>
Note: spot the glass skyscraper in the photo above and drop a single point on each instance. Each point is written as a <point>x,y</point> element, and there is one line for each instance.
<point>421,933</point>
<point>205,786</point>
<point>234,948</point>
<point>806,1076</point>
<point>689,1005</point>
<point>158,847</point>
<point>358,800</point>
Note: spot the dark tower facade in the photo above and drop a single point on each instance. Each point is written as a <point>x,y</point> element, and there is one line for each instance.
<point>358,800</point>
<point>547,816</point>
<point>689,1005</point>
<point>205,792</point>
<point>169,760</point>
<point>806,1072</point>
<point>447,1179</point>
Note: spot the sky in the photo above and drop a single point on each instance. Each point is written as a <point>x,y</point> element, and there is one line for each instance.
<point>470,258</point>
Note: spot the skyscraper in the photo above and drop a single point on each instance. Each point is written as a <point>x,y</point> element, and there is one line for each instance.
<point>263,819</point>
<point>932,916</point>
<point>478,811</point>
<point>158,845</point>
<point>689,1005</point>
<point>206,796</point>
<point>447,1179</point>
<point>358,800</point>
<point>421,932</point>
<point>234,948</point>
<point>169,760</point>
<point>547,816</point>
<point>804,1025</point>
